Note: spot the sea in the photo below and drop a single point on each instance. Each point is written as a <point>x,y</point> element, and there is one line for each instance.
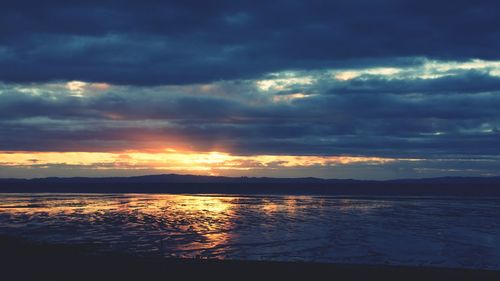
<point>453,232</point>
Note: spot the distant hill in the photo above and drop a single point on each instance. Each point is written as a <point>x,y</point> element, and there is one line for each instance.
<point>174,183</point>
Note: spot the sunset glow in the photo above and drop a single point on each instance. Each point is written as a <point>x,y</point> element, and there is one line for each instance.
<point>171,160</point>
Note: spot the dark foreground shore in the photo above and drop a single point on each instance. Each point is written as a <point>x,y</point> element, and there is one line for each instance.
<point>23,260</point>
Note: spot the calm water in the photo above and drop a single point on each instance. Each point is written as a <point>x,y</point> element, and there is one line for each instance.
<point>444,232</point>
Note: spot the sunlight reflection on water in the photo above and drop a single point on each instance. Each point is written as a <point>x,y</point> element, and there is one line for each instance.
<point>457,233</point>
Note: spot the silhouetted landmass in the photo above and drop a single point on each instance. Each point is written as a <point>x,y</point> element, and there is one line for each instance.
<point>189,184</point>
<point>23,260</point>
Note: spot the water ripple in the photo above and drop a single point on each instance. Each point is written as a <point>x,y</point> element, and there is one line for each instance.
<point>453,233</point>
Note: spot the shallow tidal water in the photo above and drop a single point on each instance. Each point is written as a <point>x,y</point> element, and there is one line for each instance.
<point>449,232</point>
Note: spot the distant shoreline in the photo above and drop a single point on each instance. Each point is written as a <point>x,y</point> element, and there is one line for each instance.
<point>191,184</point>
<point>468,190</point>
<point>22,259</point>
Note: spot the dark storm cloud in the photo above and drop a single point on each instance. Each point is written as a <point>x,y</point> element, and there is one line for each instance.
<point>471,81</point>
<point>431,120</point>
<point>181,42</point>
<point>469,95</point>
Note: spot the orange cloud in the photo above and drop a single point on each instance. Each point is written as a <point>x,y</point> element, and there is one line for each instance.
<point>173,160</point>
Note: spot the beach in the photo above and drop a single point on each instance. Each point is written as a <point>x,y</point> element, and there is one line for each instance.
<point>24,260</point>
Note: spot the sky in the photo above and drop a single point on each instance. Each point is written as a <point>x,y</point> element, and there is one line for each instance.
<point>376,89</point>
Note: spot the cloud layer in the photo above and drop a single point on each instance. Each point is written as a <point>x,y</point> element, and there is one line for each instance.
<point>183,42</point>
<point>387,79</point>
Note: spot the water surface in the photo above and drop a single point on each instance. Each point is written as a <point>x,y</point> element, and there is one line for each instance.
<point>398,231</point>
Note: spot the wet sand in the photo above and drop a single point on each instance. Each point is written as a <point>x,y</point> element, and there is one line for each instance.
<point>24,260</point>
